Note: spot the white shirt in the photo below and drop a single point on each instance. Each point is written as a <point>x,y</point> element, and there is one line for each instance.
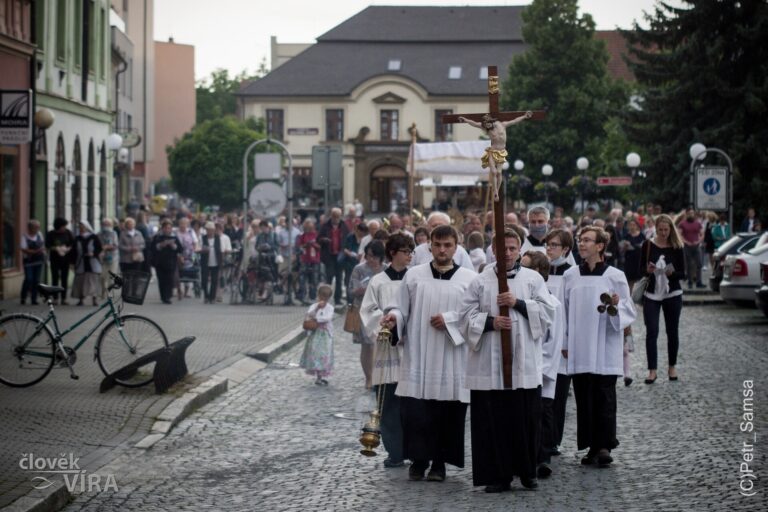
<point>386,359</point>
<point>484,362</point>
<point>596,340</point>
<point>433,364</point>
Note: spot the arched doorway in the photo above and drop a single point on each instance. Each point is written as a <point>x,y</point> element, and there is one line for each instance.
<point>77,185</point>
<point>60,180</point>
<point>389,188</point>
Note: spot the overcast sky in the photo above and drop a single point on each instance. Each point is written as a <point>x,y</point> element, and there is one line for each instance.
<point>234,34</point>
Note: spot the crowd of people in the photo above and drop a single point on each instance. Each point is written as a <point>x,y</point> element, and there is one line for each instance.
<point>571,308</point>
<point>433,284</point>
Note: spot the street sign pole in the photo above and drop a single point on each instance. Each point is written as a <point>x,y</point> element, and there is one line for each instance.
<point>728,179</point>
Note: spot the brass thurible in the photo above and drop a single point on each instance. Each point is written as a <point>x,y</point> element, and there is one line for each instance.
<point>370,437</point>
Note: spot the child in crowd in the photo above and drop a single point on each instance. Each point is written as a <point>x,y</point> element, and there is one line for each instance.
<point>317,358</point>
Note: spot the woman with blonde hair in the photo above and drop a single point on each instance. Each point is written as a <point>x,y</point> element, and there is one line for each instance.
<point>663,262</point>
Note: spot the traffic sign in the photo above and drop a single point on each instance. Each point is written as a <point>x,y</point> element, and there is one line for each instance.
<point>712,188</point>
<point>614,181</point>
<point>267,199</point>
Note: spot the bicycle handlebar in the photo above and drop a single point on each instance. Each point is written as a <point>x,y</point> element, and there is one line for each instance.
<point>117,281</point>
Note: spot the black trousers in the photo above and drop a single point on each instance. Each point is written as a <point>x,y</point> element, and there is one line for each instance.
<point>60,276</point>
<point>547,430</point>
<point>334,270</point>
<point>210,281</point>
<point>558,406</point>
<point>433,430</point>
<point>595,411</point>
<point>672,307</point>
<point>165,282</point>
<point>391,423</point>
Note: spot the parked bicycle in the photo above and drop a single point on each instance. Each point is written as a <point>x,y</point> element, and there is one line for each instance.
<point>31,346</point>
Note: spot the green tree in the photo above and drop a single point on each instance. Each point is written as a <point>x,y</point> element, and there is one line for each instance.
<point>564,71</point>
<point>702,72</point>
<point>216,95</point>
<point>206,164</point>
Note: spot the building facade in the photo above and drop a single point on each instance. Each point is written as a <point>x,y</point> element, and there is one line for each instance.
<point>175,101</point>
<point>17,52</point>
<point>366,83</point>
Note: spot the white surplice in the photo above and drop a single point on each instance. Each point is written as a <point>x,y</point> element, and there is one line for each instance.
<point>528,246</point>
<point>596,340</point>
<point>386,360</point>
<point>422,255</point>
<point>484,364</point>
<point>433,363</point>
<point>556,286</point>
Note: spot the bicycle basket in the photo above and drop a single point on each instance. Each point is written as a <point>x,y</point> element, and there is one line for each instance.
<point>135,286</point>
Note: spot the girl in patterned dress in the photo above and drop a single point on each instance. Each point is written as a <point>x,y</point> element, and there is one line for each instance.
<point>317,358</point>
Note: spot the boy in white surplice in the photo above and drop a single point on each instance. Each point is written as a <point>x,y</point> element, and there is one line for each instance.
<point>506,421</point>
<point>431,384</point>
<point>595,337</point>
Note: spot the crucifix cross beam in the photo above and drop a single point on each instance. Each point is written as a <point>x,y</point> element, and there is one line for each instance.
<point>493,106</point>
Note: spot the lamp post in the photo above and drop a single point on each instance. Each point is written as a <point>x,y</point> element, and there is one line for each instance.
<point>633,161</point>
<point>698,152</point>
<point>582,164</point>
<point>547,171</point>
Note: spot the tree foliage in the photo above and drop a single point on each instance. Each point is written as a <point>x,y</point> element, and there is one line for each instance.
<point>216,95</point>
<point>206,164</point>
<point>564,71</point>
<point>702,72</point>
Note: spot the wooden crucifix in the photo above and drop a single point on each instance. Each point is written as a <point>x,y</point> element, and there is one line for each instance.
<point>495,124</point>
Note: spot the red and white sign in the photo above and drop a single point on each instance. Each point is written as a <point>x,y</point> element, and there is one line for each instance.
<point>614,181</point>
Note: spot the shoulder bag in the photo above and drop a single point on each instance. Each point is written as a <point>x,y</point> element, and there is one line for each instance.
<point>352,321</point>
<point>638,292</point>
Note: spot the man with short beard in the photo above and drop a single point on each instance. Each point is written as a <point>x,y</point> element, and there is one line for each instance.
<point>431,382</point>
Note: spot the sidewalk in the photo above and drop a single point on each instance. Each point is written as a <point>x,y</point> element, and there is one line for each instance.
<point>63,416</point>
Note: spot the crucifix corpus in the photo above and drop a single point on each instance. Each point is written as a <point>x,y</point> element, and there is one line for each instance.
<point>495,124</point>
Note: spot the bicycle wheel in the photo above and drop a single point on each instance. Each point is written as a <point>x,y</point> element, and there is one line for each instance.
<point>120,345</point>
<point>26,350</point>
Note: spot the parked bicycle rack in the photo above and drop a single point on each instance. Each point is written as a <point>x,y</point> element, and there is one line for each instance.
<point>170,366</point>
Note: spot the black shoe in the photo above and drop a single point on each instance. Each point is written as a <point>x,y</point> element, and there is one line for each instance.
<point>389,463</point>
<point>23,301</point>
<point>673,379</point>
<point>416,471</point>
<point>529,483</point>
<point>497,488</point>
<point>604,458</point>
<point>436,472</point>
<point>590,458</point>
<point>543,470</point>
<point>651,381</point>
<point>628,381</point>
<point>167,302</point>
<point>34,303</point>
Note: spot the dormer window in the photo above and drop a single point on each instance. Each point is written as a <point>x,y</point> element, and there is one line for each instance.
<point>454,72</point>
<point>394,64</point>
<point>483,73</point>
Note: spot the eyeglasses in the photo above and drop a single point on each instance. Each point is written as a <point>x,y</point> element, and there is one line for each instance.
<point>586,240</point>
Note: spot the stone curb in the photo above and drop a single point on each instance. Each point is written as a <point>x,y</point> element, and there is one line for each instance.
<point>270,352</point>
<point>53,498</point>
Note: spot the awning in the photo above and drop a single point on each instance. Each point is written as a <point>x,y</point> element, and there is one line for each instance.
<point>452,181</point>
<point>449,158</point>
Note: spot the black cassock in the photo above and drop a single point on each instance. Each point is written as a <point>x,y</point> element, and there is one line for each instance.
<point>433,430</point>
<point>505,434</point>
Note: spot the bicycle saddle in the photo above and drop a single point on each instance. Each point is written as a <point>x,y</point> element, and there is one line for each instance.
<point>47,290</point>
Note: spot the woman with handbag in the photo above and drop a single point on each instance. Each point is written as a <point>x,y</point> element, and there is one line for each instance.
<point>361,276</point>
<point>663,262</point>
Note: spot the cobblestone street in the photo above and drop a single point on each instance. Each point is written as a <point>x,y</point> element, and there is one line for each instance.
<point>275,442</point>
<point>61,415</point>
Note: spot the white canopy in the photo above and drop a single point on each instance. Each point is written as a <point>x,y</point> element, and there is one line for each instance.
<point>449,158</point>
<point>451,180</point>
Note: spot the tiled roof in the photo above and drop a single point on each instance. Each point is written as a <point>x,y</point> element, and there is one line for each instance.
<point>427,40</point>
<point>617,49</point>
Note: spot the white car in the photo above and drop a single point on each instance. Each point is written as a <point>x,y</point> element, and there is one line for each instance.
<point>741,275</point>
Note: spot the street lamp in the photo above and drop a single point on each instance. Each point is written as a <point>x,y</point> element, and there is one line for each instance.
<point>698,152</point>
<point>633,161</point>
<point>582,164</point>
<point>547,171</point>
